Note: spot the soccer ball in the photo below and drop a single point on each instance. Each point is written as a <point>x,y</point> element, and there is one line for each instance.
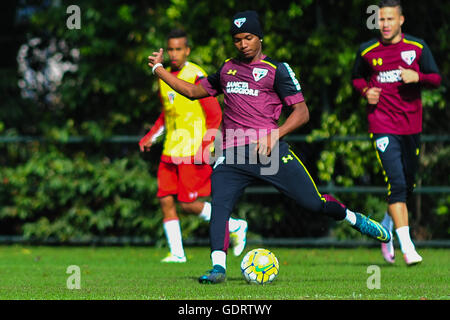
<point>259,266</point>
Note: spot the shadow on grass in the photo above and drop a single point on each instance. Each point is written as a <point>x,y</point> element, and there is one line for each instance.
<point>228,279</point>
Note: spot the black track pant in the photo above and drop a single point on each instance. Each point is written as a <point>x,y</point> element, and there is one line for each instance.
<point>231,177</point>
<point>399,158</point>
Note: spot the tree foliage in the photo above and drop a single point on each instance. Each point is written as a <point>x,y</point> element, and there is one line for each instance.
<point>68,190</point>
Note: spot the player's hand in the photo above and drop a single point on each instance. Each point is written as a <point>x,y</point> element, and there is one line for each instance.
<point>409,75</point>
<point>373,95</point>
<point>156,57</point>
<point>145,144</point>
<point>265,144</point>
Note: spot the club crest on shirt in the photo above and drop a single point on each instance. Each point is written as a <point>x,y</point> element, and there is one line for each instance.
<point>408,56</point>
<point>259,73</point>
<point>239,22</point>
<point>171,96</point>
<point>382,143</point>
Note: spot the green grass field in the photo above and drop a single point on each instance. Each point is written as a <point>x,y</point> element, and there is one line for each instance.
<point>28,272</point>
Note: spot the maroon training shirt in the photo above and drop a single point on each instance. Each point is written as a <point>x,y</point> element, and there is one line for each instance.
<point>399,110</point>
<point>254,94</point>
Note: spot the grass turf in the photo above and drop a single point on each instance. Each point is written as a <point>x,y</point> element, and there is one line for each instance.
<point>28,272</point>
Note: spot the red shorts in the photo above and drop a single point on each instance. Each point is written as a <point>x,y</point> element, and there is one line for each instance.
<point>187,181</point>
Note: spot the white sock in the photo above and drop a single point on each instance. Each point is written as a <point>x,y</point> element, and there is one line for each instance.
<point>206,212</point>
<point>387,222</point>
<point>406,244</point>
<point>233,224</point>
<point>219,257</point>
<point>173,235</point>
<point>350,217</point>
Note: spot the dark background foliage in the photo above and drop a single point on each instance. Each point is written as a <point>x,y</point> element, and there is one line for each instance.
<point>58,186</point>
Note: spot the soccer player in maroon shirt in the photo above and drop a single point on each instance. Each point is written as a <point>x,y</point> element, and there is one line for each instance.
<point>255,89</point>
<point>389,72</point>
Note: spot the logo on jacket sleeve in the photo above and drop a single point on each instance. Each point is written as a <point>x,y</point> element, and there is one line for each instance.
<point>293,78</point>
<point>259,73</point>
<point>408,56</point>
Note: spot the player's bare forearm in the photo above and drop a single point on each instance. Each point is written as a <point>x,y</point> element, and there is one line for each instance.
<point>298,117</point>
<point>187,89</point>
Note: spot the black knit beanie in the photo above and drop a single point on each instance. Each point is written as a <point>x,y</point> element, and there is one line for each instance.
<point>246,22</point>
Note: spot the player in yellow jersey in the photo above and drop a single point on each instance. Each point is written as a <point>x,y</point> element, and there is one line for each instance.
<point>184,170</point>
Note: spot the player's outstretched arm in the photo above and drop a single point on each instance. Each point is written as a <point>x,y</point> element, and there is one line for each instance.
<point>187,89</point>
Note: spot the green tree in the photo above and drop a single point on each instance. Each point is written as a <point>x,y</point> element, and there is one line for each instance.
<point>111,92</point>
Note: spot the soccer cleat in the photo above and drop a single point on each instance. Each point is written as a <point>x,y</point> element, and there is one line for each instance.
<point>387,250</point>
<point>412,258</point>
<point>216,275</point>
<point>171,258</point>
<point>239,238</point>
<point>371,228</point>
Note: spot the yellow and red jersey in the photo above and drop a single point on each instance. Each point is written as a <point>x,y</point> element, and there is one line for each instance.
<point>185,121</point>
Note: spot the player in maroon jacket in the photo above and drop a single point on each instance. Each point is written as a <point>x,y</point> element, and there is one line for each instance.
<point>390,72</point>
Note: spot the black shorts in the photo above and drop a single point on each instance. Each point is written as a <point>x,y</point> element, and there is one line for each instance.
<point>399,159</point>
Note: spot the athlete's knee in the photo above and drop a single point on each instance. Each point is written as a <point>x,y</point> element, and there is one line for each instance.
<point>168,208</point>
<point>410,185</point>
<point>167,201</point>
<point>326,205</point>
<point>398,192</point>
<point>312,204</point>
<point>220,213</point>
<point>218,227</point>
<point>190,207</point>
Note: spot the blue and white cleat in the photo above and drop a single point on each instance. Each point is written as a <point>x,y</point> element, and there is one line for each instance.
<point>371,228</point>
<point>216,275</point>
<point>239,238</point>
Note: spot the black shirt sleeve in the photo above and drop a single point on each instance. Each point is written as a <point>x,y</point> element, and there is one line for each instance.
<point>427,63</point>
<point>360,68</point>
<point>214,80</point>
<point>286,84</point>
